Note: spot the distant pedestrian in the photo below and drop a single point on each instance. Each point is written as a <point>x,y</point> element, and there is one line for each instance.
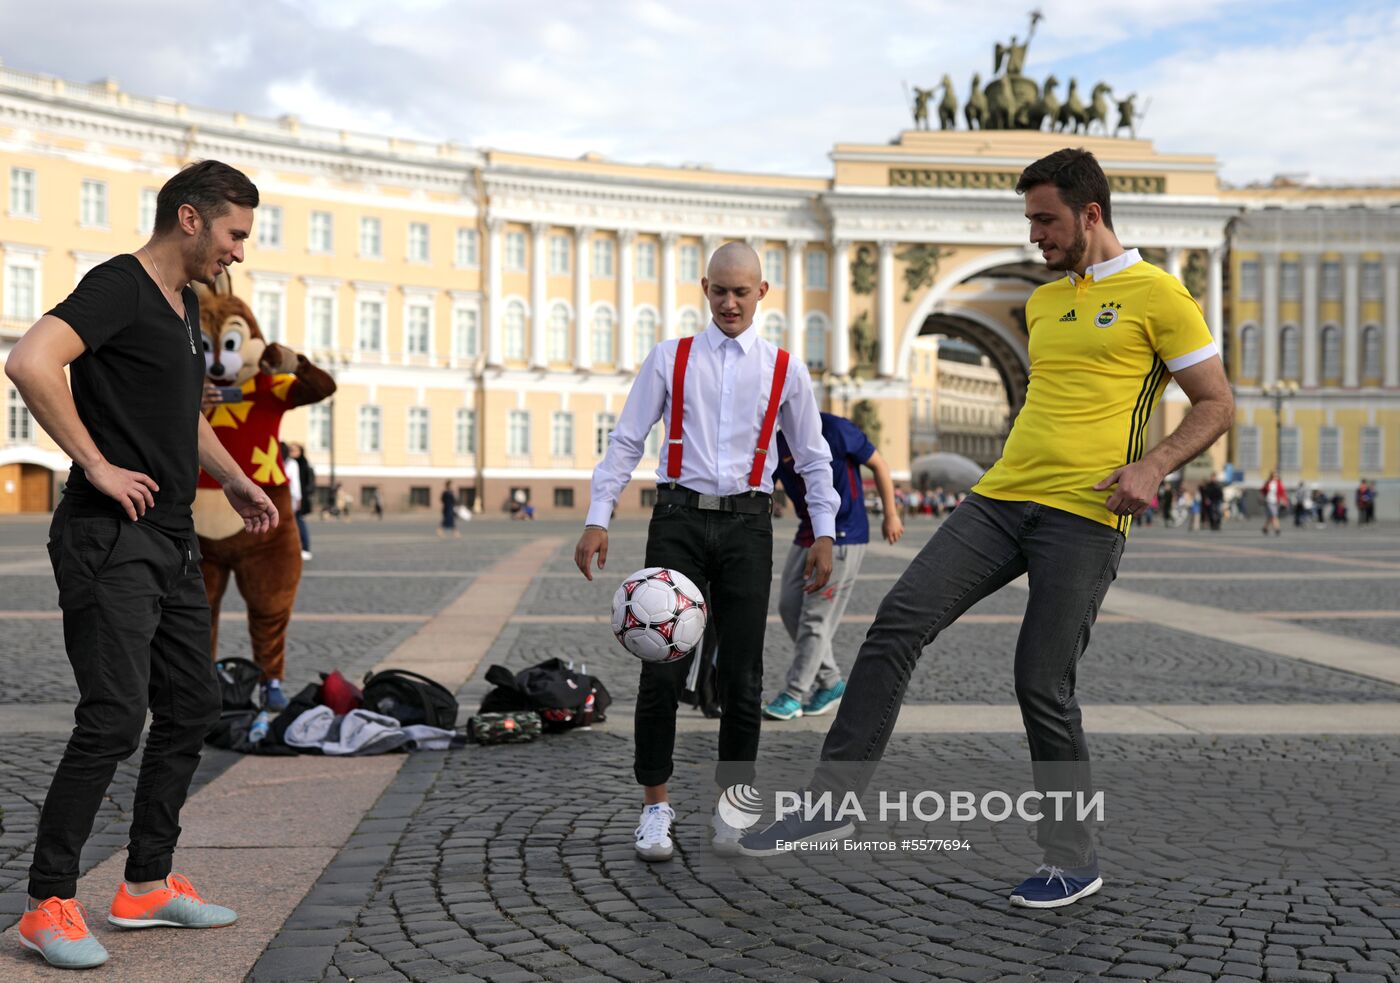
<point>377,503</point>
<point>1365,503</point>
<point>303,490</point>
<point>1275,497</point>
<point>1212,502</point>
<point>449,512</point>
<point>1301,506</point>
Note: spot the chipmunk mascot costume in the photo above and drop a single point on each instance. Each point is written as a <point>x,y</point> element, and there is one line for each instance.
<point>267,567</point>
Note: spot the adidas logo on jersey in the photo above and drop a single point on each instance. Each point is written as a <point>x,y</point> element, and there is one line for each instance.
<point>1068,316</point>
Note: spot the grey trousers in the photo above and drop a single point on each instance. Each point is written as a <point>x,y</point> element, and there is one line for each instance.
<point>811,619</point>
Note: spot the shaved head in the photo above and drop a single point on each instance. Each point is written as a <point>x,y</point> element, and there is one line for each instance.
<point>734,285</point>
<point>735,259</point>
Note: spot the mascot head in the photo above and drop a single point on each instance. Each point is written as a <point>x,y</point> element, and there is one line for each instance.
<point>234,347</point>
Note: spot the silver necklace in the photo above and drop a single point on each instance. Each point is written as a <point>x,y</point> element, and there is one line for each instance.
<point>189,330</point>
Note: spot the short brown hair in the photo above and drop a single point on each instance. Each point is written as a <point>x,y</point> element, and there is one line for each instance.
<point>1077,175</point>
<point>209,186</point>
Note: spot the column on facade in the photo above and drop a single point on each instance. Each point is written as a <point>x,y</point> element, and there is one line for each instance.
<point>668,285</point>
<point>494,246</point>
<point>627,343</point>
<point>539,317</point>
<point>1268,262</point>
<point>1175,257</point>
<point>1392,320</point>
<point>840,307</point>
<point>708,246</point>
<point>1215,294</point>
<point>1351,319</point>
<point>583,353</point>
<point>886,309</point>
<point>1310,272</point>
<point>796,289</point>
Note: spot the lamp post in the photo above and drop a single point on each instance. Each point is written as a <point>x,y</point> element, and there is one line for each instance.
<point>1278,392</point>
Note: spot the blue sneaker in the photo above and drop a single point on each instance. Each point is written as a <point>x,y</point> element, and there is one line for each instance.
<point>783,707</point>
<point>794,829</point>
<point>824,699</point>
<point>272,696</point>
<point>1055,890</point>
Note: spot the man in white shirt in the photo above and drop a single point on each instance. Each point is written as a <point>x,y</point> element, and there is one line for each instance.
<point>713,518</point>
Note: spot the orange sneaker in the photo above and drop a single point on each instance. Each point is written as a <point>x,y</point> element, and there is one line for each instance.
<point>57,930</point>
<point>177,905</point>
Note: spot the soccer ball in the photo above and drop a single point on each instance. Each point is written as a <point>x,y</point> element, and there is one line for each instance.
<point>659,615</point>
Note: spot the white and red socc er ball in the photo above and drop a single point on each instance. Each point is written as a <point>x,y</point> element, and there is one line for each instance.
<point>659,615</point>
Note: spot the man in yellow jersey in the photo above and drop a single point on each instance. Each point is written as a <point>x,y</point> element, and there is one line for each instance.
<point>1104,342</point>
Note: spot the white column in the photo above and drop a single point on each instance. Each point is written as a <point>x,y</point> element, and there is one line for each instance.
<point>1351,320</point>
<point>1392,320</point>
<point>708,246</point>
<point>841,307</point>
<point>795,289</point>
<point>583,353</point>
<point>627,343</point>
<point>538,315</point>
<point>1310,272</point>
<point>1175,255</point>
<point>494,300</point>
<point>1269,277</point>
<point>668,285</point>
<point>886,309</point>
<point>1215,295</point>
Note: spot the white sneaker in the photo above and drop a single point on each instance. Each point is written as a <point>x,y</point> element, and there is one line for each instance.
<point>306,554</point>
<point>726,838</point>
<point>654,832</point>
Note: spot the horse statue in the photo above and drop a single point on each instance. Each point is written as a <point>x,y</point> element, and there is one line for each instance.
<point>1127,116</point>
<point>1072,117</point>
<point>975,112</point>
<point>948,108</point>
<point>1009,102</point>
<point>1045,108</point>
<point>1098,110</point>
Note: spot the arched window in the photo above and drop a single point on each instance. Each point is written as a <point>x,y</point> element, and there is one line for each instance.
<point>1331,354</point>
<point>558,344</point>
<point>1249,352</point>
<point>646,332</point>
<point>773,329</point>
<point>604,329</point>
<point>688,323</point>
<point>814,344</point>
<point>513,326</point>
<point>1371,352</point>
<point>1288,353</point>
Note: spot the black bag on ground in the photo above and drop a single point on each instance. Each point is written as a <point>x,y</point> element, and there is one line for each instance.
<point>410,698</point>
<point>238,683</point>
<point>702,679</point>
<point>563,698</point>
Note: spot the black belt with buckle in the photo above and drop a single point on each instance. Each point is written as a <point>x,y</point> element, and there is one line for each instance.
<point>758,503</point>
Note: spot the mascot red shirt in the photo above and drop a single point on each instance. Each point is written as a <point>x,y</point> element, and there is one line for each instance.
<point>266,568</point>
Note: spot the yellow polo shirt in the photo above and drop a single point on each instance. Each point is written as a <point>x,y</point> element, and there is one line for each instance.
<point>1102,349</point>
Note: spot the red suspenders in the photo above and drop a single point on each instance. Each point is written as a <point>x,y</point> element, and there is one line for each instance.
<point>676,445</point>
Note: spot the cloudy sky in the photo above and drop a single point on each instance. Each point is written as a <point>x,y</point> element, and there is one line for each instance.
<point>1297,86</point>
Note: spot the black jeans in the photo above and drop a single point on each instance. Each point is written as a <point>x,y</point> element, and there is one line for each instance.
<point>136,627</point>
<point>729,555</point>
<point>980,548</point>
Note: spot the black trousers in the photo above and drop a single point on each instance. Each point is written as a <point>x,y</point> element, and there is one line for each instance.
<point>729,555</point>
<point>136,627</point>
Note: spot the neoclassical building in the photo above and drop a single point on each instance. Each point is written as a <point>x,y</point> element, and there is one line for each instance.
<point>485,311</point>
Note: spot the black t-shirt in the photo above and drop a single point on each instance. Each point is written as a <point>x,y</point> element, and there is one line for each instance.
<point>137,389</point>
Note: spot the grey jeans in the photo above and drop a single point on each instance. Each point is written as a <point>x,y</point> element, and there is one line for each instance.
<point>811,619</point>
<point>981,547</point>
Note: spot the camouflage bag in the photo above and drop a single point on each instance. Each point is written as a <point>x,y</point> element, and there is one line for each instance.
<point>505,728</point>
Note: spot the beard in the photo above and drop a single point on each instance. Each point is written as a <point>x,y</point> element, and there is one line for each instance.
<point>205,253</point>
<point>1072,255</point>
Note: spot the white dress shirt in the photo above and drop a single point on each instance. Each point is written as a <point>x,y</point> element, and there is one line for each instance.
<point>727,385</point>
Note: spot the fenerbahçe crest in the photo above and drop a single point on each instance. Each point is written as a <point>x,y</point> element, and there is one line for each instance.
<point>1108,314</point>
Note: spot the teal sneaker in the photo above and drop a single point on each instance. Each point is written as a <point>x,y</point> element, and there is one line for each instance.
<point>783,707</point>
<point>176,905</point>
<point>57,930</point>
<point>824,699</point>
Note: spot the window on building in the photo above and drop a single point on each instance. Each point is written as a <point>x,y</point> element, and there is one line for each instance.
<point>773,329</point>
<point>648,498</point>
<point>563,498</point>
<point>1247,448</point>
<point>689,263</point>
<point>1249,279</point>
<point>651,450</point>
<point>146,211</point>
<point>92,205</point>
<point>1371,352</point>
<point>646,332</point>
<point>1371,280</point>
<point>561,435</point>
<point>269,226</point>
<point>604,330</point>
<point>21,296</point>
<point>773,268</point>
<point>320,318</point>
<point>815,341</point>
<point>24,193</point>
<point>688,323</point>
<point>371,238</point>
<point>646,261</point>
<point>419,497</point>
<point>465,435</point>
<point>513,329</point>
<point>515,252</point>
<point>321,238</point>
<point>369,323</point>
<point>1331,354</point>
<point>418,242</point>
<point>1249,352</point>
<point>1288,353</point>
<point>467,253</point>
<point>518,433</point>
<point>267,308</point>
<point>1372,442</point>
<point>418,329</point>
<point>560,249</point>
<point>1329,449</point>
<point>1331,280</point>
<point>21,423</point>
<point>816,269</point>
<point>558,333</point>
<point>602,250</point>
<point>1288,455</point>
<point>370,435</point>
<point>318,428</point>
<point>466,332</point>
<point>1290,280</point>
<point>418,430</point>
<point>603,425</point>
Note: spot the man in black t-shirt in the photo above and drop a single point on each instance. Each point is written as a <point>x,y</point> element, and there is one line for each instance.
<point>125,555</point>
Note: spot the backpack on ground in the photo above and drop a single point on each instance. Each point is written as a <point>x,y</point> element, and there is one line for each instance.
<point>238,684</point>
<point>410,698</point>
<point>563,698</point>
